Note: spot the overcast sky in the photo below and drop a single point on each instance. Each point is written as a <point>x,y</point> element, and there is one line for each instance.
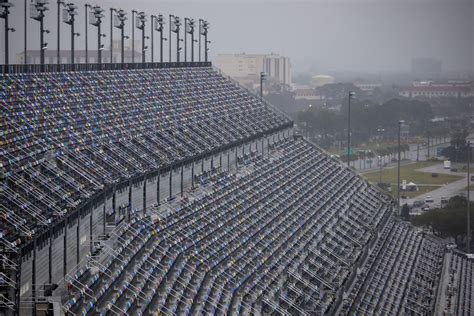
<point>325,35</point>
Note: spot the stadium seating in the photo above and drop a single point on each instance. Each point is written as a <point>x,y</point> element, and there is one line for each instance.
<point>400,276</point>
<point>281,236</point>
<point>456,294</point>
<point>67,135</point>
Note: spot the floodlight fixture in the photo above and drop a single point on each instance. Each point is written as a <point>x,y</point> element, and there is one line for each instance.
<point>140,24</point>
<point>96,16</point>
<point>119,21</point>
<point>69,13</point>
<point>37,12</point>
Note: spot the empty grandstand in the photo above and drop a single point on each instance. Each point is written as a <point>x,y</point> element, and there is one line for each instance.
<point>166,188</point>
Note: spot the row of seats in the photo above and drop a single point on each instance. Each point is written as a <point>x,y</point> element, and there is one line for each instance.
<point>400,275</point>
<point>66,135</point>
<point>457,290</point>
<point>282,235</point>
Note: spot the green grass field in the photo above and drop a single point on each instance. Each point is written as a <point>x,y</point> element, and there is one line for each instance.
<point>409,173</point>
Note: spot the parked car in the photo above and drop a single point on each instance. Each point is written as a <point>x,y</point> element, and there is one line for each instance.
<point>417,203</point>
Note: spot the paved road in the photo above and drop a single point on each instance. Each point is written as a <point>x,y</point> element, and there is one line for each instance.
<point>448,190</point>
<point>412,155</point>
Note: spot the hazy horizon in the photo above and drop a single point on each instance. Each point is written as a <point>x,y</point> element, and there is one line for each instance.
<point>366,36</point>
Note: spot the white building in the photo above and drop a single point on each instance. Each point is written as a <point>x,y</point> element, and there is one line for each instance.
<point>246,68</point>
<point>321,80</point>
<point>431,89</point>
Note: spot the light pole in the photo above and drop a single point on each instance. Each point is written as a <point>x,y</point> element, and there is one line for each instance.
<point>59,2</point>
<point>152,22</point>
<point>263,77</point>
<point>189,29</point>
<point>38,8</point>
<point>205,28</point>
<point>133,35</point>
<point>87,44</point>
<point>119,22</point>
<point>350,96</point>
<point>4,12</point>
<point>200,27</point>
<point>97,21</point>
<point>400,123</point>
<point>177,24</point>
<point>380,173</point>
<point>468,246</point>
<point>141,19</point>
<point>112,10</point>
<point>159,27</point>
<point>69,17</point>
<point>171,16</point>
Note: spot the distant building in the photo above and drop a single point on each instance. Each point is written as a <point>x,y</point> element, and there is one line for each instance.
<point>426,68</point>
<point>246,68</point>
<point>306,94</point>
<point>367,87</point>
<point>278,68</point>
<point>321,80</point>
<point>432,89</point>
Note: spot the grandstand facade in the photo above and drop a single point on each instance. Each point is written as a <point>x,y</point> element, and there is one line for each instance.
<point>169,189</point>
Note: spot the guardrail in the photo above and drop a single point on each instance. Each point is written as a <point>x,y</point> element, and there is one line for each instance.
<point>36,68</point>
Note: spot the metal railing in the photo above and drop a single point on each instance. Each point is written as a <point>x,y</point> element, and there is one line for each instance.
<point>36,68</point>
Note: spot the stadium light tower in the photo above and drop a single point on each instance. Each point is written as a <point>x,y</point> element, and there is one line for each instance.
<point>37,12</point>
<point>96,16</point>
<point>400,124</point>
<point>112,10</point>
<point>204,31</point>
<point>177,24</point>
<point>351,95</point>
<point>69,13</point>
<point>189,29</point>
<point>133,34</point>
<point>119,22</point>
<point>4,12</point>
<point>152,28</point>
<point>141,20</point>
<point>263,77</point>
<point>58,57</point>
<point>160,21</point>
<point>87,44</point>
<point>171,17</point>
